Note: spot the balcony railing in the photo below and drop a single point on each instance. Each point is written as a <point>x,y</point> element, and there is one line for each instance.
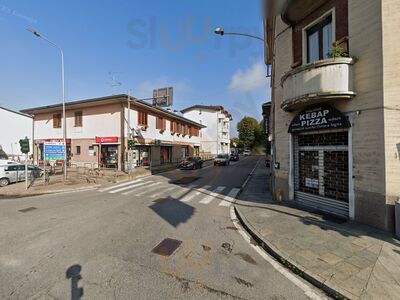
<point>321,81</point>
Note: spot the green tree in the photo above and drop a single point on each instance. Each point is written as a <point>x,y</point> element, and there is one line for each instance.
<point>247,128</point>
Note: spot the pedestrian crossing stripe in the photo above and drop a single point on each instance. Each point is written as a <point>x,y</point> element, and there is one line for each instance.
<point>211,196</point>
<point>163,191</point>
<point>119,185</point>
<point>143,187</point>
<point>129,187</point>
<point>230,198</point>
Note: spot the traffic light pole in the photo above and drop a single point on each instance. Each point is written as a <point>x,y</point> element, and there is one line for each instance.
<point>26,171</point>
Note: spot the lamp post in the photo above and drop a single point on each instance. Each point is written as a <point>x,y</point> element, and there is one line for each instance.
<point>39,35</point>
<point>220,31</point>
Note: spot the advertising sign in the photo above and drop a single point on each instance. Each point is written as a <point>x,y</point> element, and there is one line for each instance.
<point>54,151</point>
<point>320,117</point>
<point>108,140</point>
<point>163,97</point>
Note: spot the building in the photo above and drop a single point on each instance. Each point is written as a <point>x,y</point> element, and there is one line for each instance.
<point>266,112</point>
<point>335,106</point>
<point>98,131</point>
<point>14,126</point>
<point>215,138</point>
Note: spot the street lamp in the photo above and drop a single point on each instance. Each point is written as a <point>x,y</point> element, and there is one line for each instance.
<point>220,31</point>
<point>39,35</point>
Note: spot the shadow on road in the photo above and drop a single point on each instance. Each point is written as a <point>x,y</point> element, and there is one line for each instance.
<point>173,211</point>
<point>73,273</point>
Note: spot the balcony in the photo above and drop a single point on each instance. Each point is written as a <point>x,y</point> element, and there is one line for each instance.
<point>296,10</point>
<point>317,82</point>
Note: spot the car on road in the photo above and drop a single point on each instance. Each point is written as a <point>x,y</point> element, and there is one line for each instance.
<point>222,160</point>
<point>247,153</point>
<point>12,173</point>
<point>234,156</point>
<point>191,163</point>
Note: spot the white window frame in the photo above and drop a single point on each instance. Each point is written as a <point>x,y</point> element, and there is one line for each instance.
<point>316,21</point>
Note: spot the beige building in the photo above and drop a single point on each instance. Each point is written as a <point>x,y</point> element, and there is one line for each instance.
<point>336,106</point>
<point>98,131</point>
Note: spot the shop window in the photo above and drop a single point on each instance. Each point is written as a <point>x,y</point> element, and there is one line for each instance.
<point>78,119</point>
<point>78,150</point>
<point>165,155</point>
<point>319,39</point>
<point>142,118</point>
<point>57,120</point>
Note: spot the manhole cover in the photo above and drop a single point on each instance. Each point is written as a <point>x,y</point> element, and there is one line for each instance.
<point>167,247</point>
<point>27,209</point>
<point>185,180</point>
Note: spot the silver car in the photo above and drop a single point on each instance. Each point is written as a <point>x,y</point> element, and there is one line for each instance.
<point>12,173</point>
<point>222,160</point>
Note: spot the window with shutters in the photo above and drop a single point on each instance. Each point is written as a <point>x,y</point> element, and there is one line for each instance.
<point>78,119</point>
<point>57,120</point>
<point>142,118</point>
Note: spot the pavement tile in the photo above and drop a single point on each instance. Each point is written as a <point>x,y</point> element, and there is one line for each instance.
<point>351,247</point>
<point>330,258</point>
<point>354,285</point>
<point>360,262</point>
<point>345,270</point>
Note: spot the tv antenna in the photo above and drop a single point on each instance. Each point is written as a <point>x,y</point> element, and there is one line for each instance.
<point>114,82</point>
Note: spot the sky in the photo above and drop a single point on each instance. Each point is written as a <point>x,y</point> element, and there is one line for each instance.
<point>111,47</point>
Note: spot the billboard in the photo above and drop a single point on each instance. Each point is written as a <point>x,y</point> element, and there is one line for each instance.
<point>163,97</point>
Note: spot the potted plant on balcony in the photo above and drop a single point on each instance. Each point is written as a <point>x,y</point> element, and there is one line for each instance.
<point>162,131</point>
<point>337,51</point>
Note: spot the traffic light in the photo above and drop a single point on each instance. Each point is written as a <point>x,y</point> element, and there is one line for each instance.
<point>24,144</point>
<point>131,144</point>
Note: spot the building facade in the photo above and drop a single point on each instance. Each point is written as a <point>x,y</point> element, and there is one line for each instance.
<point>335,105</point>
<point>98,131</point>
<point>215,138</point>
<point>15,126</point>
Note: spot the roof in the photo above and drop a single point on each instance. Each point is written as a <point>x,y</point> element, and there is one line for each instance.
<point>210,107</point>
<point>121,98</point>
<point>16,112</point>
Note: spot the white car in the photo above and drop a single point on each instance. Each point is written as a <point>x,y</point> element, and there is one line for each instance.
<point>8,162</point>
<point>247,153</point>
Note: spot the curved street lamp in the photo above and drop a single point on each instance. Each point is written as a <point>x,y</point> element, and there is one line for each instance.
<point>220,31</point>
<point>39,35</point>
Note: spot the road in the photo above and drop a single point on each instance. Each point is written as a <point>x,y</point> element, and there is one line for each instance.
<point>101,244</point>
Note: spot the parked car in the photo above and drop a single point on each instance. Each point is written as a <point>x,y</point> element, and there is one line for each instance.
<point>234,156</point>
<point>12,173</point>
<point>222,160</point>
<point>191,163</point>
<point>247,153</point>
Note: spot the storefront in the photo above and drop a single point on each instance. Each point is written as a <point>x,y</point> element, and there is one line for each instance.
<point>321,160</point>
<point>39,150</point>
<point>109,151</point>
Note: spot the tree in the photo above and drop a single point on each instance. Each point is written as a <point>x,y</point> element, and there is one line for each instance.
<point>260,134</point>
<point>247,128</point>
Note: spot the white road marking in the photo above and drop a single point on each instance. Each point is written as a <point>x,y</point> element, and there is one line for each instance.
<point>119,185</point>
<point>129,187</point>
<point>230,198</point>
<point>308,291</point>
<point>212,195</point>
<point>190,196</point>
<point>163,191</point>
<point>143,187</point>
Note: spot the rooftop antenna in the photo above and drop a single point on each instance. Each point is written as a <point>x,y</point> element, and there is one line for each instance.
<point>114,82</point>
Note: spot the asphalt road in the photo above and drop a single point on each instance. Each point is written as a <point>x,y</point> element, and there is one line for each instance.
<point>99,244</point>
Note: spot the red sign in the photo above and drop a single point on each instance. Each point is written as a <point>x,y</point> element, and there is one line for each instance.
<point>110,139</point>
<point>68,141</point>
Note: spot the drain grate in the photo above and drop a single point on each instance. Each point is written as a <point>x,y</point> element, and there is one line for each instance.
<point>185,180</point>
<point>27,209</point>
<point>167,247</point>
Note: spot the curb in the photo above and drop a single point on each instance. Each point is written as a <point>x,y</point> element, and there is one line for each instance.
<point>248,178</point>
<point>271,250</point>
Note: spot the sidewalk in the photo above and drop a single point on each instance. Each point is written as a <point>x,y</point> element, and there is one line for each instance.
<point>341,257</point>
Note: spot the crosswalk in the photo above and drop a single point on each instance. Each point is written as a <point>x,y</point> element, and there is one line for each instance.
<point>152,189</point>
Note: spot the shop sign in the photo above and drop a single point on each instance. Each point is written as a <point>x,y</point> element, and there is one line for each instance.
<point>108,140</point>
<point>312,183</point>
<point>320,117</point>
<point>47,141</point>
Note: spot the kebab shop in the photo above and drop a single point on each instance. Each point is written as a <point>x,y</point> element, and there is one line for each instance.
<point>109,148</point>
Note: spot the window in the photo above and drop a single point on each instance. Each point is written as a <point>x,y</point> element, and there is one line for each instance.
<point>182,129</point>
<point>142,118</point>
<point>165,155</point>
<point>57,120</point>
<point>161,123</point>
<point>319,40</point>
<point>78,150</point>
<point>78,119</point>
<point>172,125</point>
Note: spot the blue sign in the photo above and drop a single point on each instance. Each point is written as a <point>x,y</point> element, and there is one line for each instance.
<point>54,151</point>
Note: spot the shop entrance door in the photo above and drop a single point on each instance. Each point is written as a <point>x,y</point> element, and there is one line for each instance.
<point>321,174</point>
